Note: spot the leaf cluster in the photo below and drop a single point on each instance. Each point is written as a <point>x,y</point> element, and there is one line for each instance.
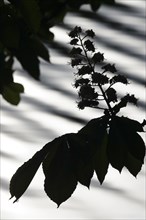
<point>73,158</point>
<point>25,31</point>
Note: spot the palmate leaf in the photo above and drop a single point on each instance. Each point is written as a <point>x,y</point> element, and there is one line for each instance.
<point>74,161</point>
<point>74,157</point>
<point>24,175</point>
<point>125,146</point>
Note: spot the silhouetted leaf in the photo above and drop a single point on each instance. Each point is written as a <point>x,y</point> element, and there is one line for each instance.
<point>95,4</point>
<point>76,4</point>
<point>24,175</point>
<point>60,180</point>
<point>17,87</point>
<point>125,146</point>
<point>10,35</point>
<point>6,72</point>
<point>1,2</point>
<point>116,146</point>
<point>96,136</point>
<point>133,165</point>
<point>101,161</point>
<point>59,16</point>
<point>93,126</point>
<point>135,144</point>
<point>131,124</point>
<point>55,144</point>
<point>40,49</point>
<point>30,12</point>
<point>45,34</point>
<point>11,93</point>
<point>10,96</point>
<point>29,61</point>
<point>109,2</point>
<point>85,173</point>
<point>81,153</point>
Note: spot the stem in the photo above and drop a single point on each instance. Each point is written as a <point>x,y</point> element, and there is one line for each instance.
<point>110,85</point>
<point>84,37</point>
<point>97,107</point>
<point>107,102</point>
<point>100,99</point>
<point>100,86</point>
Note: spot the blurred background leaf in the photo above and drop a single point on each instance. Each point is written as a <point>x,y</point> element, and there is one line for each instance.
<point>25,28</point>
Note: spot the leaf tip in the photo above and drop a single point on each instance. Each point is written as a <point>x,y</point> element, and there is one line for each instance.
<point>58,204</point>
<point>11,197</point>
<point>15,200</point>
<point>135,175</point>
<point>101,182</point>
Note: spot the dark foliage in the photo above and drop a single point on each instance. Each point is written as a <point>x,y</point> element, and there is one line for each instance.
<point>25,31</point>
<point>74,157</point>
<point>108,140</point>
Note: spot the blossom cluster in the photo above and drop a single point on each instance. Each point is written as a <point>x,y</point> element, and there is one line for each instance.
<point>94,86</point>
